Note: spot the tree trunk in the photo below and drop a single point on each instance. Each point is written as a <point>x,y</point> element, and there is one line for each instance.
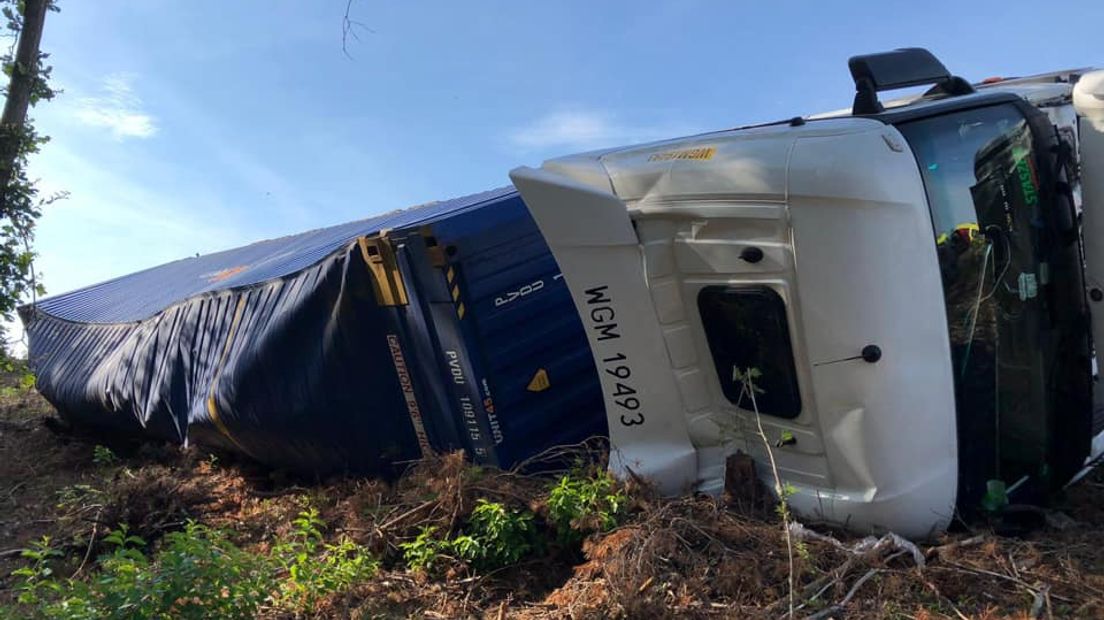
<point>20,88</point>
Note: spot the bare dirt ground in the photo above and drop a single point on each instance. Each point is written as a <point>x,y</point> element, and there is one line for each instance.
<point>690,557</point>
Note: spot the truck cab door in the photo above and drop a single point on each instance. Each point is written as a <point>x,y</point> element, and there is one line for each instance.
<point>592,237</point>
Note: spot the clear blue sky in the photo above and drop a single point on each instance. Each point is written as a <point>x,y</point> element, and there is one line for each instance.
<point>195,125</point>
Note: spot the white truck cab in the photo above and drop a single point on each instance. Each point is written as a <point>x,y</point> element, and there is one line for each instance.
<point>907,284</point>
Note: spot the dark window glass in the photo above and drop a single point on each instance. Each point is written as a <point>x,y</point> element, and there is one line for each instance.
<point>747,328</point>
<point>1002,272</point>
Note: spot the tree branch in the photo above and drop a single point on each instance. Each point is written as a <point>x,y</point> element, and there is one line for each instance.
<point>349,28</point>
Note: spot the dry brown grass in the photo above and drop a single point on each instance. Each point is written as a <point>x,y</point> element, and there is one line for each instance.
<point>688,557</point>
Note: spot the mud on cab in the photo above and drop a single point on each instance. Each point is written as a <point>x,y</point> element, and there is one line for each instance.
<point>906,281</point>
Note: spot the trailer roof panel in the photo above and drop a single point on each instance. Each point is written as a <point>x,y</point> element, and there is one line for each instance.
<point>137,296</point>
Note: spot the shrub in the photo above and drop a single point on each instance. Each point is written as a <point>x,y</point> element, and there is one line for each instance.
<point>579,505</point>
<point>424,551</point>
<point>103,456</point>
<point>196,574</point>
<point>37,577</point>
<point>494,536</point>
<point>316,569</point>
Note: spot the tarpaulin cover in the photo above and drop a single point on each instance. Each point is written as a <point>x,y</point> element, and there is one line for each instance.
<point>274,349</point>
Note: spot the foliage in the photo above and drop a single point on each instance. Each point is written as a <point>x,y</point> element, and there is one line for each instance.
<point>197,573</point>
<point>423,552</point>
<point>79,496</point>
<point>20,203</point>
<point>495,536</point>
<point>316,569</point>
<point>37,576</point>
<point>27,379</point>
<point>579,505</point>
<point>103,456</point>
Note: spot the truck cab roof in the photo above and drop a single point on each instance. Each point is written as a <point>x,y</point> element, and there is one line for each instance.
<point>1053,88</point>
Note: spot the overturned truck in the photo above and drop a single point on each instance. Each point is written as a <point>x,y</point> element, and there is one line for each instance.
<point>898,295</point>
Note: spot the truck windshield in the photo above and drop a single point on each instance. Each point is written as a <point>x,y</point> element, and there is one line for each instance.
<point>981,175</point>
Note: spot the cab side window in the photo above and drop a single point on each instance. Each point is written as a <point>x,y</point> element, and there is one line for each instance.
<point>747,328</point>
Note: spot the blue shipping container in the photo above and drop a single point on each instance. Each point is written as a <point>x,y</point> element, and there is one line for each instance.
<point>350,348</point>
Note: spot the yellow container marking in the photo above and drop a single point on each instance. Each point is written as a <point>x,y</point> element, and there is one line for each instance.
<point>701,153</point>
<point>539,382</point>
<point>387,282</point>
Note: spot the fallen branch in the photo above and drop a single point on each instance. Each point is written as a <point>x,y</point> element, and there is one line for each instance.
<point>869,547</point>
<point>276,493</point>
<point>821,587</point>
<point>959,544</point>
<point>839,607</point>
<point>867,550</point>
<point>412,511</point>
<point>1034,589</point>
<point>91,541</point>
<point>1041,603</point>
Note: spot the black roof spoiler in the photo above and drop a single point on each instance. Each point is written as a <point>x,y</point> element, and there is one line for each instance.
<point>900,68</point>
